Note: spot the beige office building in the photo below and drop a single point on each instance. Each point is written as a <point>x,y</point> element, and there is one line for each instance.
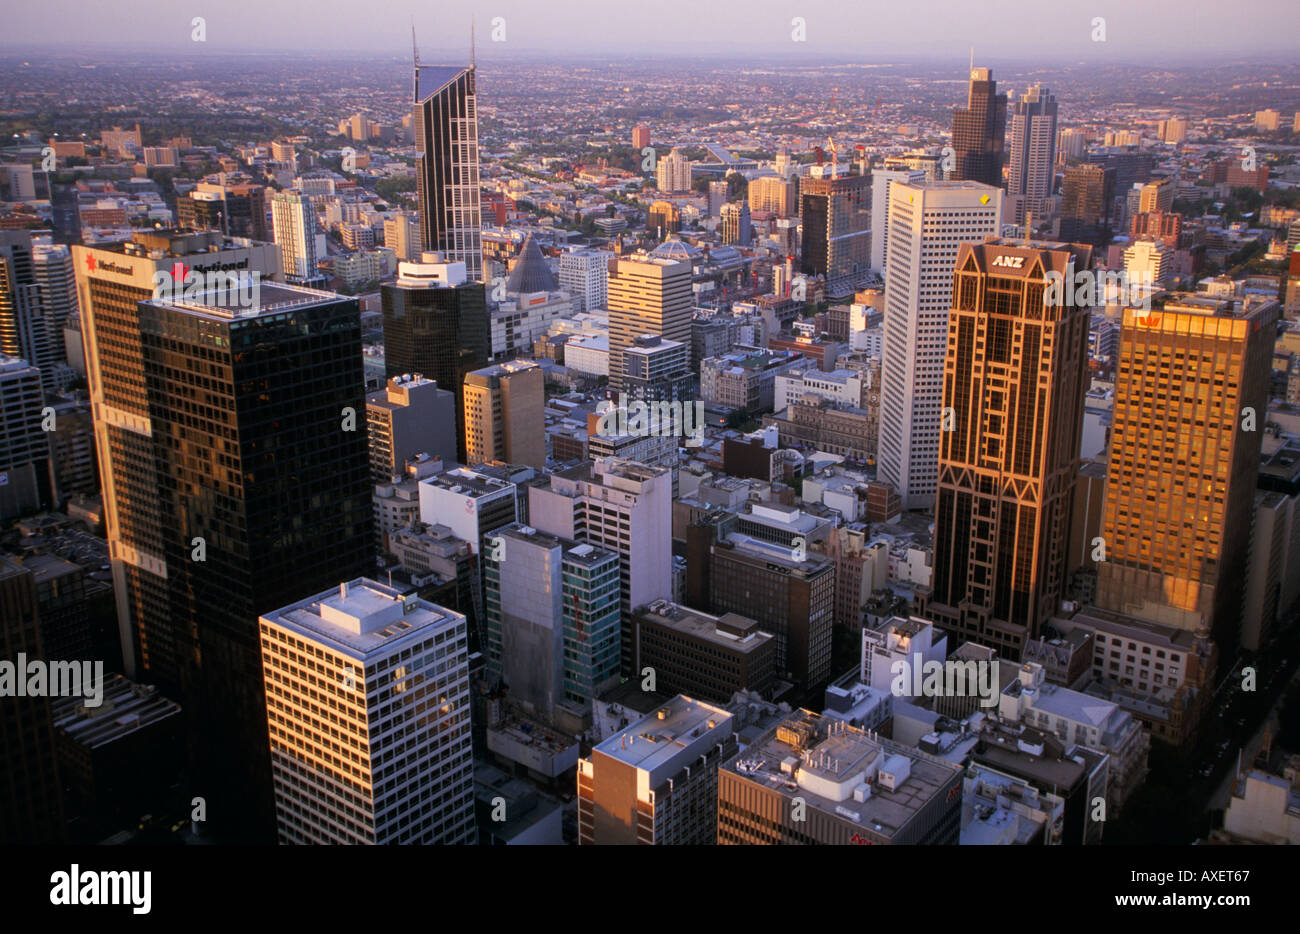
<point>504,420</point>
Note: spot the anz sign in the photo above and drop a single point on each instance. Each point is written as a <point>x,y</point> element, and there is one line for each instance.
<point>1009,262</point>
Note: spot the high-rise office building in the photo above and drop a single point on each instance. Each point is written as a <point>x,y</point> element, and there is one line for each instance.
<point>656,369</point>
<point>56,285</point>
<point>927,225</point>
<point>293,223</point>
<point>736,226</point>
<point>717,197</point>
<point>31,806</point>
<point>1173,130</point>
<point>674,172</point>
<point>446,165</point>
<point>978,131</point>
<point>1087,204</point>
<point>624,506</point>
<point>22,327</point>
<point>409,416</point>
<point>702,655</point>
<point>24,446</point>
<point>789,592</point>
<point>472,505</point>
<point>835,214</point>
<point>504,420</point>
<point>663,218</point>
<point>402,236</point>
<point>1184,454</point>
<point>585,276</point>
<point>436,323</point>
<point>235,210</point>
<point>207,525</point>
<point>1071,145</point>
<point>881,180</point>
<point>771,193</point>
<point>1157,195</point>
<point>1032,156</point>
<point>1014,382</point>
<point>394,763</point>
<point>647,295</point>
<point>656,780</point>
<point>552,619</point>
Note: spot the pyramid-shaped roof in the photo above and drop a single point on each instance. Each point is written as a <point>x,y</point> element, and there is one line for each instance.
<point>530,272</point>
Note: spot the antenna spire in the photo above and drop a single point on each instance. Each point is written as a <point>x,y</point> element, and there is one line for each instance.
<point>472,44</point>
<point>972,58</point>
<point>415,50</point>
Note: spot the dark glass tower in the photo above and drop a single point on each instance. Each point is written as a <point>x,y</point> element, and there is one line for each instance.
<point>31,807</point>
<point>236,481</point>
<point>446,170</point>
<point>1013,393</point>
<point>436,324</point>
<point>978,131</point>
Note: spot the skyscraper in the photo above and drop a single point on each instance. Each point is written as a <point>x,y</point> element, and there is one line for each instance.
<point>24,446</point>
<point>232,448</point>
<point>56,285</point>
<point>552,619</point>
<point>624,506</point>
<point>1087,201</point>
<point>22,328</point>
<point>674,172</point>
<point>1184,454</point>
<point>1032,156</point>
<point>504,418</point>
<point>736,226</point>
<point>881,180</point>
<point>836,219</point>
<point>293,223</point>
<point>1014,381</point>
<point>436,323</point>
<point>31,807</point>
<point>410,415</point>
<point>768,193</point>
<point>927,225</point>
<point>585,276</point>
<point>393,764</point>
<point>446,165</point>
<point>647,295</point>
<point>978,130</point>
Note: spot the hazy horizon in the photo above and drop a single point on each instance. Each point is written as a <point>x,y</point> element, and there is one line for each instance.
<point>1006,30</point>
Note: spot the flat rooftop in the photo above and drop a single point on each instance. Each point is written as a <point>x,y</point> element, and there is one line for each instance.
<point>730,630</point>
<point>362,617</point>
<point>826,753</point>
<point>468,482</point>
<point>270,298</point>
<point>656,739</point>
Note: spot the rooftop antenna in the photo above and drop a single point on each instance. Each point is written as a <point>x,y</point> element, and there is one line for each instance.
<point>972,58</point>
<point>472,44</point>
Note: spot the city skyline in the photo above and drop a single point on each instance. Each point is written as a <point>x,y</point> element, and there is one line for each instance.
<point>694,425</point>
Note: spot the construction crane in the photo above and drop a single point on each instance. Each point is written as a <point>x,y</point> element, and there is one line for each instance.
<point>835,156</point>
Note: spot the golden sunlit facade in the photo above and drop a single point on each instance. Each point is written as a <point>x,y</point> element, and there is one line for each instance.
<point>1190,404</point>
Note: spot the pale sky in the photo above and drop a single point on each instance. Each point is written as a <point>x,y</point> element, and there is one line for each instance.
<point>873,30</point>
